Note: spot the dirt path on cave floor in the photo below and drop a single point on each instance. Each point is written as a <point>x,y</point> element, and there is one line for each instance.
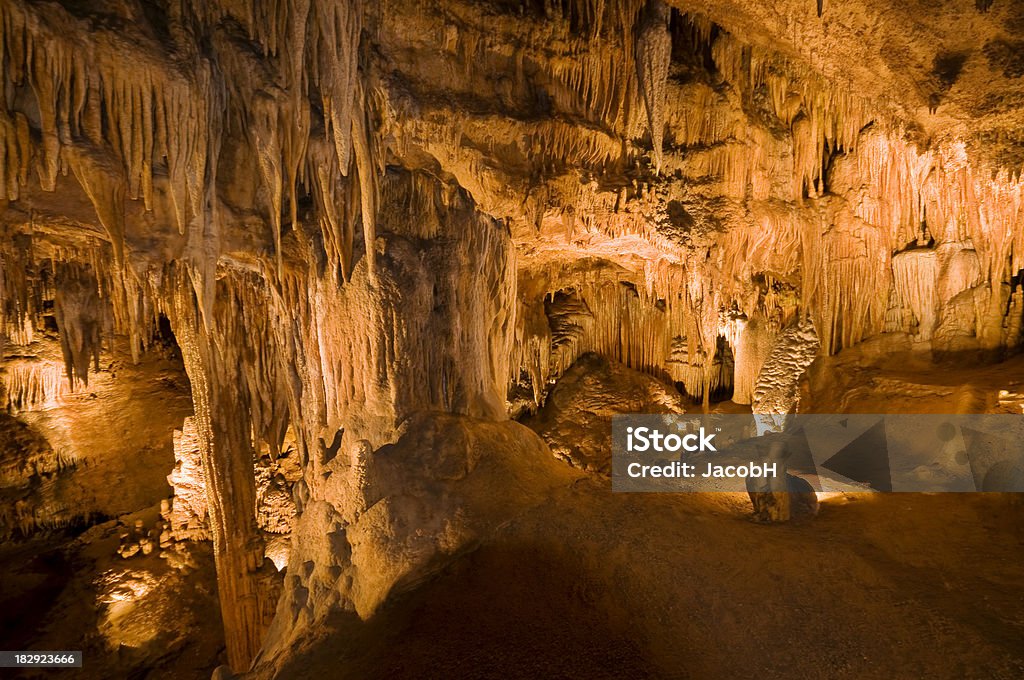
<point>595,585</point>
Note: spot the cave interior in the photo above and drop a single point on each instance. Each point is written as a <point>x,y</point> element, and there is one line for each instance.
<point>314,317</point>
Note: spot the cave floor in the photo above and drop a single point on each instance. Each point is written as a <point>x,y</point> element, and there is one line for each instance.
<point>144,617</point>
<point>596,585</point>
<point>589,584</point>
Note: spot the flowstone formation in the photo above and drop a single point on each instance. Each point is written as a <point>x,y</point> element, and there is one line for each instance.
<point>351,213</point>
<point>576,420</point>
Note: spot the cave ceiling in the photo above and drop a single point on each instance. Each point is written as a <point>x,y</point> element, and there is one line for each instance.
<point>535,108</point>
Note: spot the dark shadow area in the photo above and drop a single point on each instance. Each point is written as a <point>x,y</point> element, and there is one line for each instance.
<point>35,573</point>
<point>502,612</point>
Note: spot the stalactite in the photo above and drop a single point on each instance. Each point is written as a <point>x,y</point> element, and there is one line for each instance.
<point>628,327</point>
<point>653,54</point>
<point>359,373</point>
<point>20,291</point>
<point>845,283</point>
<point>532,349</point>
<point>914,274</point>
<point>598,85</point>
<point>905,188</point>
<point>79,313</point>
<point>3,308</point>
<point>699,375</point>
<point>135,307</point>
<point>671,326</point>
<point>267,143</point>
<point>825,118</point>
<point>33,385</point>
<point>367,173</point>
<point>15,153</point>
<point>145,114</point>
<point>105,188</point>
<point>338,51</point>
<point>335,207</point>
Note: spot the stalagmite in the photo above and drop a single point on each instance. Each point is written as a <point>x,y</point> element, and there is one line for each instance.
<point>777,391</point>
<point>226,450</point>
<point>752,342</point>
<point>776,398</point>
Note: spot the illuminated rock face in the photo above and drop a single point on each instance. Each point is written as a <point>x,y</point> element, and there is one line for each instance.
<point>387,517</point>
<point>33,384</point>
<point>74,457</point>
<point>188,513</point>
<point>349,213</point>
<point>576,418</point>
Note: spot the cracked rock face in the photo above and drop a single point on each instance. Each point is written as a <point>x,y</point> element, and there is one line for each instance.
<point>350,213</point>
